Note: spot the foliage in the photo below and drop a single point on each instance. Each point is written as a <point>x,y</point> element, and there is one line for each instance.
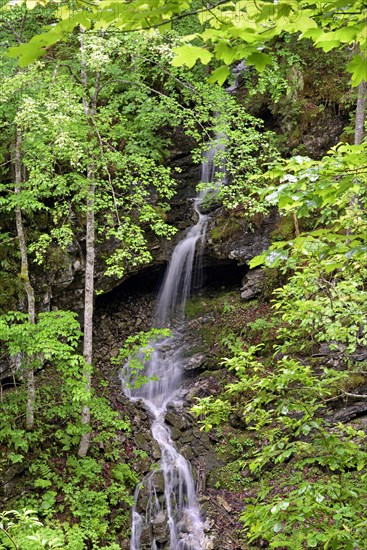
<point>320,514</point>
<point>57,146</point>
<point>242,148</point>
<point>84,491</point>
<point>243,32</point>
<point>144,92</point>
<point>323,300</point>
<point>284,403</point>
<point>321,304</point>
<point>136,352</point>
<point>93,495</point>
<point>230,31</point>
<point>22,530</point>
<point>319,307</point>
<point>307,185</point>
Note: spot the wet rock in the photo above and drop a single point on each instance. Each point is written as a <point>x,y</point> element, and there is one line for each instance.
<point>243,242</point>
<point>252,284</point>
<point>160,527</point>
<point>143,465</point>
<point>143,441</point>
<point>176,420</point>
<point>348,413</point>
<point>201,436</point>
<point>146,537</point>
<point>186,438</point>
<point>194,363</point>
<point>187,452</point>
<point>175,434</point>
<point>158,481</point>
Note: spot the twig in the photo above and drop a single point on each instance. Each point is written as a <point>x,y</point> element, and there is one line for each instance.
<point>363,396</point>
<point>9,537</point>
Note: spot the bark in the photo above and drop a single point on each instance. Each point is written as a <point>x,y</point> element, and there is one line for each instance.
<point>90,108</point>
<point>88,312</point>
<point>31,395</point>
<point>359,131</point>
<point>296,225</point>
<point>360,113</point>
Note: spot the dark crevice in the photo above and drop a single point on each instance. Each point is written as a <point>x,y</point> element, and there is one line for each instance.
<point>216,275</point>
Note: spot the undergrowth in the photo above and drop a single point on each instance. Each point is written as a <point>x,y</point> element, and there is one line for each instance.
<point>64,501</point>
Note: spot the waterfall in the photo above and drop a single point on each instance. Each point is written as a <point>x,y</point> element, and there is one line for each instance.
<point>176,514</point>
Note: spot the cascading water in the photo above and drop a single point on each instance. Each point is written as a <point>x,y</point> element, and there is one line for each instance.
<point>175,516</point>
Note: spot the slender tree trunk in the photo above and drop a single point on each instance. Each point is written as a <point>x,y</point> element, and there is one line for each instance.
<point>90,108</point>
<point>296,224</point>
<point>358,133</point>
<point>31,396</point>
<point>88,311</point>
<point>360,113</point>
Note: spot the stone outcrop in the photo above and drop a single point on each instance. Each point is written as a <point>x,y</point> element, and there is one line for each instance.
<point>252,284</point>
<point>232,237</point>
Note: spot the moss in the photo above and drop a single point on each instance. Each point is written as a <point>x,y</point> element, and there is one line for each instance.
<point>223,313</point>
<point>273,278</point>
<point>353,381</point>
<point>222,303</point>
<point>284,230</point>
<point>10,291</point>
<point>225,228</point>
<point>195,307</point>
<point>229,477</point>
<point>57,259</point>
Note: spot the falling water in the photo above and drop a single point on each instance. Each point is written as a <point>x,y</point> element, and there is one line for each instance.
<point>177,515</point>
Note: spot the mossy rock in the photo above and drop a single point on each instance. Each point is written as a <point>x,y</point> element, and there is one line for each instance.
<point>284,229</point>
<point>226,228</point>
<point>354,381</point>
<point>195,307</point>
<point>57,259</point>
<point>273,278</point>
<point>10,291</point>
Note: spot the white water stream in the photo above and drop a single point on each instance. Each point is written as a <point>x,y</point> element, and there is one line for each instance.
<point>172,513</point>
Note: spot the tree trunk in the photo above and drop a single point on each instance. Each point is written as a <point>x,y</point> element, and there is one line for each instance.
<point>360,113</point>
<point>88,312</point>
<point>31,395</point>
<point>89,110</point>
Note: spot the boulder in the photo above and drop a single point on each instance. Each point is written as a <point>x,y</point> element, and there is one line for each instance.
<point>252,284</point>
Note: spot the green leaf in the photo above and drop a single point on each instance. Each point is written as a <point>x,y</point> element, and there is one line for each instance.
<point>28,53</point>
<point>224,52</point>
<point>219,75</point>
<point>325,37</point>
<point>259,60</point>
<point>328,45</point>
<point>257,260</point>
<point>188,55</point>
<point>346,34</point>
<point>358,68</point>
<point>314,34</point>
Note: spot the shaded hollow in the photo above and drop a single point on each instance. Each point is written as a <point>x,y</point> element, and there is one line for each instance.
<point>217,275</point>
